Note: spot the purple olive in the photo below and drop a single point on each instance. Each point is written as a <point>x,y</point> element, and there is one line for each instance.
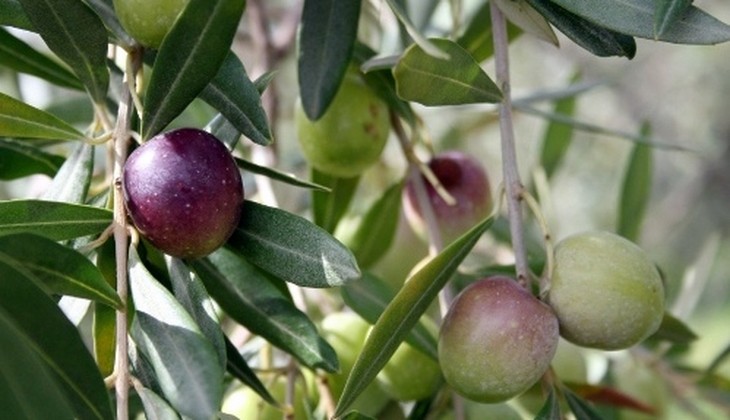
<point>467,182</point>
<point>496,340</point>
<point>183,191</point>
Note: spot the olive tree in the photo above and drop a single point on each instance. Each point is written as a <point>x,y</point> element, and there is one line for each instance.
<point>391,191</point>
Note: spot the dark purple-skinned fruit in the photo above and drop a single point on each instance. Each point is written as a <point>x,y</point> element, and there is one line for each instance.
<point>467,182</point>
<point>183,191</point>
<point>496,340</point>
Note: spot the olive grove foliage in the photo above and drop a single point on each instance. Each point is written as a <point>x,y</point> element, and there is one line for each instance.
<point>61,253</point>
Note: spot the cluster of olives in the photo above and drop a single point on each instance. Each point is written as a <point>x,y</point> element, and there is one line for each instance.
<point>497,338</point>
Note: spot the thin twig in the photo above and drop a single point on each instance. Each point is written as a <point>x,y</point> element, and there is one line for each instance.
<point>513,185</point>
<point>121,143</point>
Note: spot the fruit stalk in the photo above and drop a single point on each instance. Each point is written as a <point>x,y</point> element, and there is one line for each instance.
<point>513,184</point>
<point>435,242</point>
<point>121,143</point>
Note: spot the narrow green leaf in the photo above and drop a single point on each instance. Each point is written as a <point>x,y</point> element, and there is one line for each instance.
<point>184,361</point>
<point>598,129</point>
<point>403,312</point>
<point>582,409</point>
<point>61,269</point>
<point>55,220</point>
<point>72,181</point>
<point>329,207</point>
<point>596,39</point>
<point>382,82</point>
<point>667,13</point>
<point>12,14</point>
<point>104,322</point>
<point>18,159</point>
<point>674,330</point>
<point>636,190</point>
<point>558,136</point>
<point>292,248</point>
<point>21,57</point>
<point>477,37</point>
<point>191,294</point>
<point>377,228</point>
<point>636,18</point>
<point>356,415</point>
<point>18,119</point>
<point>525,17</point>
<point>220,127</point>
<point>551,409</point>
<point>235,96</point>
<point>189,58</point>
<point>717,362</point>
<point>252,298</point>
<point>369,297</point>
<point>107,14</point>
<point>237,366</point>
<point>456,81</point>
<point>142,369</point>
<point>263,81</point>
<point>25,379</point>
<point>155,407</point>
<point>76,35</point>
<point>55,340</point>
<point>427,45</point>
<point>104,338</point>
<point>278,176</point>
<point>422,12</point>
<point>326,37</point>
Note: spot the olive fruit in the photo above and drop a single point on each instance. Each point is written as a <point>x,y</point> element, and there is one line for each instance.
<point>148,21</point>
<point>496,340</point>
<point>467,182</point>
<point>244,403</point>
<point>183,191</point>
<point>410,374</point>
<point>351,134</point>
<point>346,333</point>
<point>478,411</point>
<point>606,292</point>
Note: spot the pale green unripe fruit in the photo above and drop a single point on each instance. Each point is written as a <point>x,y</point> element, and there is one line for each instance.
<point>346,333</point>
<point>244,403</point>
<point>478,411</point>
<point>605,290</point>
<point>351,134</point>
<point>148,21</point>
<point>411,374</point>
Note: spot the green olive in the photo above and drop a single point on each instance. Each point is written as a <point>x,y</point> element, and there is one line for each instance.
<point>148,21</point>
<point>346,333</point>
<point>605,290</point>
<point>410,374</point>
<point>351,134</point>
<point>244,403</point>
